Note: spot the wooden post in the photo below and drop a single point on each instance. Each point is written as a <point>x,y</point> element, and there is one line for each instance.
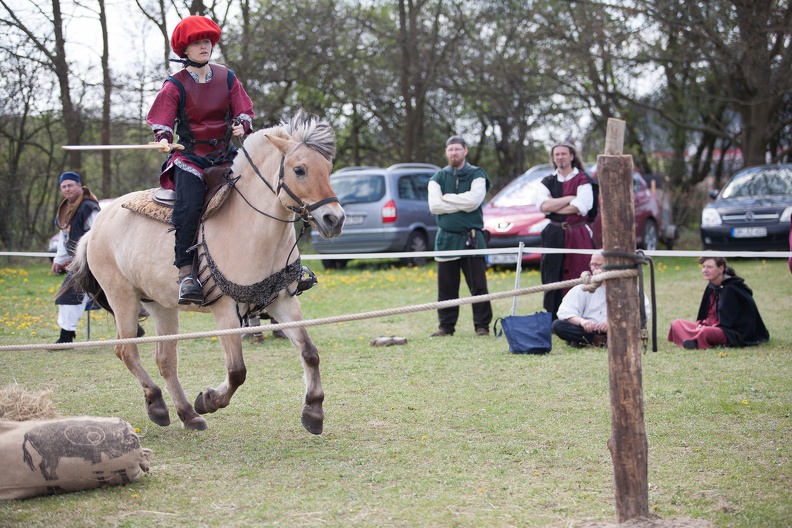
<point>627,444</point>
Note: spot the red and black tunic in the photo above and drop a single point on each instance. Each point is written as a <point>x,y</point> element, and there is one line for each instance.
<point>201,114</point>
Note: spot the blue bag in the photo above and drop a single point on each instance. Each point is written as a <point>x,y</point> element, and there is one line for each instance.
<point>527,334</point>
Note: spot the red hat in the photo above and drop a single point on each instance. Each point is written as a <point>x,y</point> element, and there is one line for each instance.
<point>192,29</point>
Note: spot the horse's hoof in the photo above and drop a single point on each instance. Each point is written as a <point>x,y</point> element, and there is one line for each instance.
<point>203,402</point>
<point>196,424</point>
<point>158,412</point>
<point>160,418</point>
<point>312,421</point>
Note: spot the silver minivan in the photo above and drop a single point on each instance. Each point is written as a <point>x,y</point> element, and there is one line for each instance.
<point>387,210</point>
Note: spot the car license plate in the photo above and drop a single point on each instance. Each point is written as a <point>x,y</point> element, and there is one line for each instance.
<point>503,258</point>
<point>749,232</point>
<point>353,220</point>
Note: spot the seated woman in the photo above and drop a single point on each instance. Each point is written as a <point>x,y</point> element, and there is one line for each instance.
<point>728,315</point>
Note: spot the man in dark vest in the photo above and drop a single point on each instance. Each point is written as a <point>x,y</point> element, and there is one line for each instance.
<point>75,216</point>
<point>565,197</point>
<point>456,194</point>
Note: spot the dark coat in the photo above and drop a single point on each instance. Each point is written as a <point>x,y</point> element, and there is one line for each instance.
<point>74,295</point>
<point>738,315</point>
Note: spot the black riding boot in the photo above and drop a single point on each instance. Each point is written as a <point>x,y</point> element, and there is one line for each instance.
<point>66,336</point>
<point>306,281</point>
<point>190,288</point>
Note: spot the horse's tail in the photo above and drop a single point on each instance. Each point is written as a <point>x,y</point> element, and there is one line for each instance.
<point>80,275</point>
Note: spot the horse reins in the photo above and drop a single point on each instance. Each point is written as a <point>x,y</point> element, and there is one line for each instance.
<point>301,209</point>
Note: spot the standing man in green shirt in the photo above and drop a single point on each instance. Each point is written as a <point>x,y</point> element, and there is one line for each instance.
<point>456,194</point>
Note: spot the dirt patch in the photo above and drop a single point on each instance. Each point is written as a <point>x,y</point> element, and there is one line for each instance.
<point>652,522</point>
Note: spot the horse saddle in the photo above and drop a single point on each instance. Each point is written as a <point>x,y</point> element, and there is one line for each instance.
<point>158,203</point>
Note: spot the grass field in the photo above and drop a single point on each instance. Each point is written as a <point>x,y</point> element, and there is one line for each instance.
<point>441,432</point>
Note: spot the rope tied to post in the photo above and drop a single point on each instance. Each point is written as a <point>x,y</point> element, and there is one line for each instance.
<point>639,259</point>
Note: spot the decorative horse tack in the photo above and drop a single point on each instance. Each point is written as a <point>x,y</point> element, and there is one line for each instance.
<point>247,245</point>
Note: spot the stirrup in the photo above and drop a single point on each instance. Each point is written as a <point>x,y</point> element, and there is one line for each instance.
<point>306,281</point>
<point>190,291</point>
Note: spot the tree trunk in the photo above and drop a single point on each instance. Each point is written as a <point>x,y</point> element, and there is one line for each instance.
<point>107,84</point>
<point>71,117</point>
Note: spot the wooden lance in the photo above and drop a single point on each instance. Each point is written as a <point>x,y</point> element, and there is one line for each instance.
<point>154,145</point>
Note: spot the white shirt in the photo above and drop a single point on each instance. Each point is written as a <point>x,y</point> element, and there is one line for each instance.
<point>589,305</point>
<point>466,202</point>
<point>583,201</point>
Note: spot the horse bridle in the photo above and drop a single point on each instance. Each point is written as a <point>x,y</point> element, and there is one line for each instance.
<point>302,209</point>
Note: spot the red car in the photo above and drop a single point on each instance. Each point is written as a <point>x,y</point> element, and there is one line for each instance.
<point>511,216</point>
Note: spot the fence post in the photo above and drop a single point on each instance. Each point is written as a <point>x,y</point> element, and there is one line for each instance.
<point>627,444</point>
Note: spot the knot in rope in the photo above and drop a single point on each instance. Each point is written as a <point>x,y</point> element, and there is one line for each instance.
<point>588,284</point>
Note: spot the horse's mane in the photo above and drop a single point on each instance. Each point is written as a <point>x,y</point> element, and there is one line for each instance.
<point>303,128</point>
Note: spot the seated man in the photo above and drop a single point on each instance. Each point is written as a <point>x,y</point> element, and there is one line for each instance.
<point>583,316</point>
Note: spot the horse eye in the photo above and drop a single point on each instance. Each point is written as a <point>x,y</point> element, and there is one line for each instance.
<point>299,171</point>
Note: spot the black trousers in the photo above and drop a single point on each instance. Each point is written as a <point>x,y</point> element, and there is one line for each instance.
<point>190,192</point>
<point>448,276</point>
<point>572,332</point>
<point>552,267</point>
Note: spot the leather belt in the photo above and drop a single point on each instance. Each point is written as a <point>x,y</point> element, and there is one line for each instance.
<point>567,225</point>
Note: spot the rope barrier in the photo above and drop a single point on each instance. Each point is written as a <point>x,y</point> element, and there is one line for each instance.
<point>618,274</point>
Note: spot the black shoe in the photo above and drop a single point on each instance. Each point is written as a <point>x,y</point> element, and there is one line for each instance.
<point>190,291</point>
<point>690,344</point>
<point>306,281</point>
<point>140,332</point>
<point>442,332</point>
<point>482,331</point>
<point>66,336</point>
<point>256,338</point>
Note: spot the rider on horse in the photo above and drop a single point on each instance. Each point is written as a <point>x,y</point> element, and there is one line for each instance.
<point>206,105</point>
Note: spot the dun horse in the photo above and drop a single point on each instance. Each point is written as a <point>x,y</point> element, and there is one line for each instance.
<point>248,246</point>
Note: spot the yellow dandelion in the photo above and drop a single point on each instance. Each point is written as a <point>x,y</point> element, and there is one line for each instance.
<point>745,402</point>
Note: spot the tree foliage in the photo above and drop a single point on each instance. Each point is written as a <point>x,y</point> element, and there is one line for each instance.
<point>396,78</point>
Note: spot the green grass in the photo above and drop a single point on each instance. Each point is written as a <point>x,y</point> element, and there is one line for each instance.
<point>440,432</point>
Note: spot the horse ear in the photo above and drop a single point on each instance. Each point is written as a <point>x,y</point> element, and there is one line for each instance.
<point>282,144</point>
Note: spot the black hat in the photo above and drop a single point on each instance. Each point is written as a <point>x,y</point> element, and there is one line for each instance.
<point>69,176</point>
<point>456,139</point>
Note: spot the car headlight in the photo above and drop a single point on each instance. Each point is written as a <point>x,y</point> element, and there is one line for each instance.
<point>710,217</point>
<point>785,216</point>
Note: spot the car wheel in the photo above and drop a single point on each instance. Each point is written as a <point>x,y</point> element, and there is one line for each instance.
<point>416,242</point>
<point>335,263</point>
<point>649,241</point>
